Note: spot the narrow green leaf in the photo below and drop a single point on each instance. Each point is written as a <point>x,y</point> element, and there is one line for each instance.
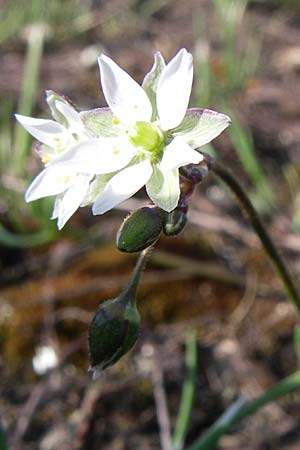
<point>241,409</point>
<point>10,239</point>
<point>28,92</point>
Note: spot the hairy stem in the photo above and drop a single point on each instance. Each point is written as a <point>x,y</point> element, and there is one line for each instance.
<point>260,230</point>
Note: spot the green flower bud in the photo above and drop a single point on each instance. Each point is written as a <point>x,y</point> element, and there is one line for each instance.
<point>140,229</point>
<point>174,222</point>
<point>115,326</point>
<point>113,331</point>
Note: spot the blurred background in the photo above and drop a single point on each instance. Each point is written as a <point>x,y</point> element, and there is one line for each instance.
<point>214,278</point>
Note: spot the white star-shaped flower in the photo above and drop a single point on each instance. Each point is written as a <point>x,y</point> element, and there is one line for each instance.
<point>56,137</point>
<point>148,130</point>
<point>104,156</point>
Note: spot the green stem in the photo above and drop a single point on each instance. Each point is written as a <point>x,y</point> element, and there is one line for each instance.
<point>36,38</point>
<point>137,271</point>
<point>241,409</point>
<point>260,230</point>
<point>188,391</point>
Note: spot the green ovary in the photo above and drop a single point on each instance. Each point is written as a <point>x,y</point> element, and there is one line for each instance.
<point>146,135</point>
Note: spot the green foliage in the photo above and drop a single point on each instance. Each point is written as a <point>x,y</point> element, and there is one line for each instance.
<point>224,69</point>
<point>21,140</point>
<point>242,141</point>
<point>241,409</point>
<point>3,445</point>
<point>15,144</point>
<point>188,391</point>
<point>225,74</point>
<point>56,13</point>
<point>34,21</point>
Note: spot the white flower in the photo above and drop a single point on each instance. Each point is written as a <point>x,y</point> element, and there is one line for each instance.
<point>104,156</point>
<point>44,360</point>
<point>145,135</point>
<point>58,136</point>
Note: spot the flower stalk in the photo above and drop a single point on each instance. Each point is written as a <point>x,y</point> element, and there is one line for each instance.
<point>251,214</point>
<point>115,326</point>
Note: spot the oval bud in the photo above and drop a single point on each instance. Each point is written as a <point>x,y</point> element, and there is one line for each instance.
<point>174,222</point>
<point>140,229</point>
<point>113,331</point>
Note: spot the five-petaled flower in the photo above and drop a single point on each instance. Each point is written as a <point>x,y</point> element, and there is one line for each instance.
<point>142,139</point>
<point>56,137</point>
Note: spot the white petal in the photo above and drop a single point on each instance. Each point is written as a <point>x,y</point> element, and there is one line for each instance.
<point>57,202</point>
<point>174,90</point>
<point>43,130</point>
<point>178,154</point>
<point>122,186</point>
<point>201,126</point>
<point>70,113</point>
<point>151,80</point>
<point>163,188</point>
<point>49,182</point>
<point>72,199</point>
<point>128,101</point>
<point>97,156</point>
<point>95,188</point>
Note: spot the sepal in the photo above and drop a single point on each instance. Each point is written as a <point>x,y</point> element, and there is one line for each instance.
<point>200,126</point>
<point>101,122</point>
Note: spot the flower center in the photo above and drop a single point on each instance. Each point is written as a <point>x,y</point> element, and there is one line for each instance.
<point>146,135</point>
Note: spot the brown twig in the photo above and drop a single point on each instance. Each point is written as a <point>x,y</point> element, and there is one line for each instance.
<point>161,405</point>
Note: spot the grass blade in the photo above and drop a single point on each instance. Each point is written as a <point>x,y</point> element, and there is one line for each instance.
<point>28,92</point>
<point>243,145</point>
<point>188,391</point>
<point>241,409</point>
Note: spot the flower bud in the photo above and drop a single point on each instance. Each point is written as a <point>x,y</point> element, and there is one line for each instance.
<point>174,222</point>
<point>140,229</point>
<point>195,172</point>
<point>113,331</point>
